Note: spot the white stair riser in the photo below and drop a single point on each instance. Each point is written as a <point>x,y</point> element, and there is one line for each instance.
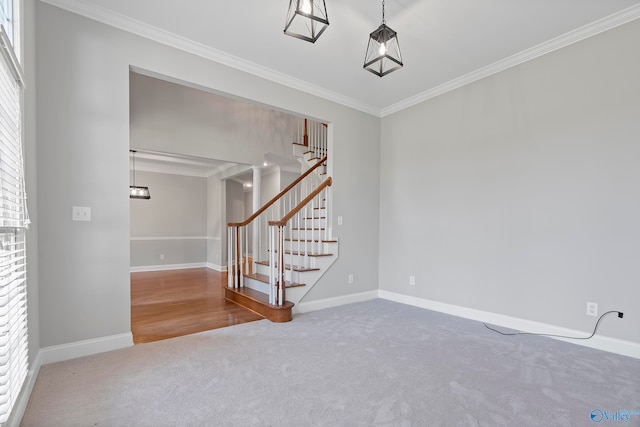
<point>299,150</point>
<point>321,263</point>
<point>256,285</point>
<point>315,211</point>
<point>310,223</point>
<point>299,261</point>
<point>308,278</point>
<point>307,234</point>
<point>264,269</point>
<point>309,247</point>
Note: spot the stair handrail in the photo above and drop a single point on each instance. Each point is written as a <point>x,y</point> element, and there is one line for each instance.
<point>236,242</point>
<point>277,283</point>
<point>278,196</point>
<point>282,222</point>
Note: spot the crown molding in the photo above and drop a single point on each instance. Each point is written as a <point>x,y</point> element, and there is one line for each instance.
<point>150,32</point>
<point>169,170</point>
<point>141,29</point>
<point>627,15</point>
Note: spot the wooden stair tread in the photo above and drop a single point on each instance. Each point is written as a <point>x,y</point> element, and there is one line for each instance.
<point>258,302</point>
<point>265,279</point>
<point>288,267</point>
<point>302,254</point>
<point>298,253</point>
<point>309,240</point>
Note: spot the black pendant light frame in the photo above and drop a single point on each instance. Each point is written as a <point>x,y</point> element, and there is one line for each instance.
<point>308,15</point>
<point>383,50</point>
<point>136,191</point>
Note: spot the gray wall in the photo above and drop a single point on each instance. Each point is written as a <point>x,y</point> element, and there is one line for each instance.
<point>83,160</point>
<point>269,186</point>
<point>518,194</point>
<point>176,118</point>
<point>287,178</point>
<point>171,227</point>
<point>29,58</point>
<point>216,218</point>
<point>235,202</point>
<point>513,195</point>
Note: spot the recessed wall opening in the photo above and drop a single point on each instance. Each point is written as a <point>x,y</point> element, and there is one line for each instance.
<point>207,159</point>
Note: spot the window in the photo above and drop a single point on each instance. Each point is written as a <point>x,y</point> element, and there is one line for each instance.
<point>6,17</point>
<point>13,223</point>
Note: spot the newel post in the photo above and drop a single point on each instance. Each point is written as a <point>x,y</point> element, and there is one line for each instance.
<point>281,269</point>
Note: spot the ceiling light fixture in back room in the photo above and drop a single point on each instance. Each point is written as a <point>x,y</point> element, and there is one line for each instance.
<point>383,51</point>
<point>306,19</point>
<point>137,192</point>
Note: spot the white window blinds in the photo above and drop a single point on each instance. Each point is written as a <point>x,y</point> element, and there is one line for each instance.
<point>13,222</point>
<point>6,17</point>
<point>13,320</point>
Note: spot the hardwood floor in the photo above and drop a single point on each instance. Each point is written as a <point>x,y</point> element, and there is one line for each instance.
<point>166,304</point>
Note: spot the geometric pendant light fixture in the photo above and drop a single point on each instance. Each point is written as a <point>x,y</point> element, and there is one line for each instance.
<point>137,192</point>
<point>383,51</point>
<point>306,19</point>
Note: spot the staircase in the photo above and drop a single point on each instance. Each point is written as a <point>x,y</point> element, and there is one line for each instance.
<point>279,253</point>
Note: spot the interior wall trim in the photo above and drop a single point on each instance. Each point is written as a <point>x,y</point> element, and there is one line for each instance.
<point>59,353</point>
<point>163,267</point>
<point>307,306</point>
<point>23,398</point>
<point>141,29</point>
<point>155,238</point>
<point>630,14</point>
<point>612,345</point>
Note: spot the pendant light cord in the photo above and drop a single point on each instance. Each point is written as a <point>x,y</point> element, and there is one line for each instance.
<point>383,21</point>
<point>134,166</point>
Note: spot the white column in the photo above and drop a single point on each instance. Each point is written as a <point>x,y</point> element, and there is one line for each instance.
<point>255,248</point>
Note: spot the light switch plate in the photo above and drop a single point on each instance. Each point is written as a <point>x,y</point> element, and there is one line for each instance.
<point>81,213</point>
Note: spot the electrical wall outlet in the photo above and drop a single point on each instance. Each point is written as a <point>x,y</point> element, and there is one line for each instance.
<point>412,280</point>
<point>161,257</point>
<point>592,309</point>
<point>81,213</point>
<point>351,278</point>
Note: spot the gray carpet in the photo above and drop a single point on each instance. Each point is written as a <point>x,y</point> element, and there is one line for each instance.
<point>376,363</point>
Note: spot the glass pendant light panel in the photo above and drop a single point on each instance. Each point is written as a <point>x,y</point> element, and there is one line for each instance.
<point>383,52</point>
<point>136,192</point>
<point>306,19</point>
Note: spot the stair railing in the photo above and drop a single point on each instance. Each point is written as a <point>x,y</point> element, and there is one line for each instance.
<point>318,140</point>
<point>241,255</point>
<point>281,228</point>
<point>313,135</point>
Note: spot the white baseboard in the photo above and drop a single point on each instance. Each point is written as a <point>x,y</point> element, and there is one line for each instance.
<point>612,345</point>
<point>216,267</point>
<point>305,307</point>
<point>59,353</point>
<point>23,399</point>
<point>168,267</point>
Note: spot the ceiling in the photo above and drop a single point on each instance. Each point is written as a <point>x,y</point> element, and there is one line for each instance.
<point>179,164</point>
<point>444,43</point>
<point>150,161</point>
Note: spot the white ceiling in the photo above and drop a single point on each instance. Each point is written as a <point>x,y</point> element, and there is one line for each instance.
<point>444,43</point>
<point>176,164</point>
